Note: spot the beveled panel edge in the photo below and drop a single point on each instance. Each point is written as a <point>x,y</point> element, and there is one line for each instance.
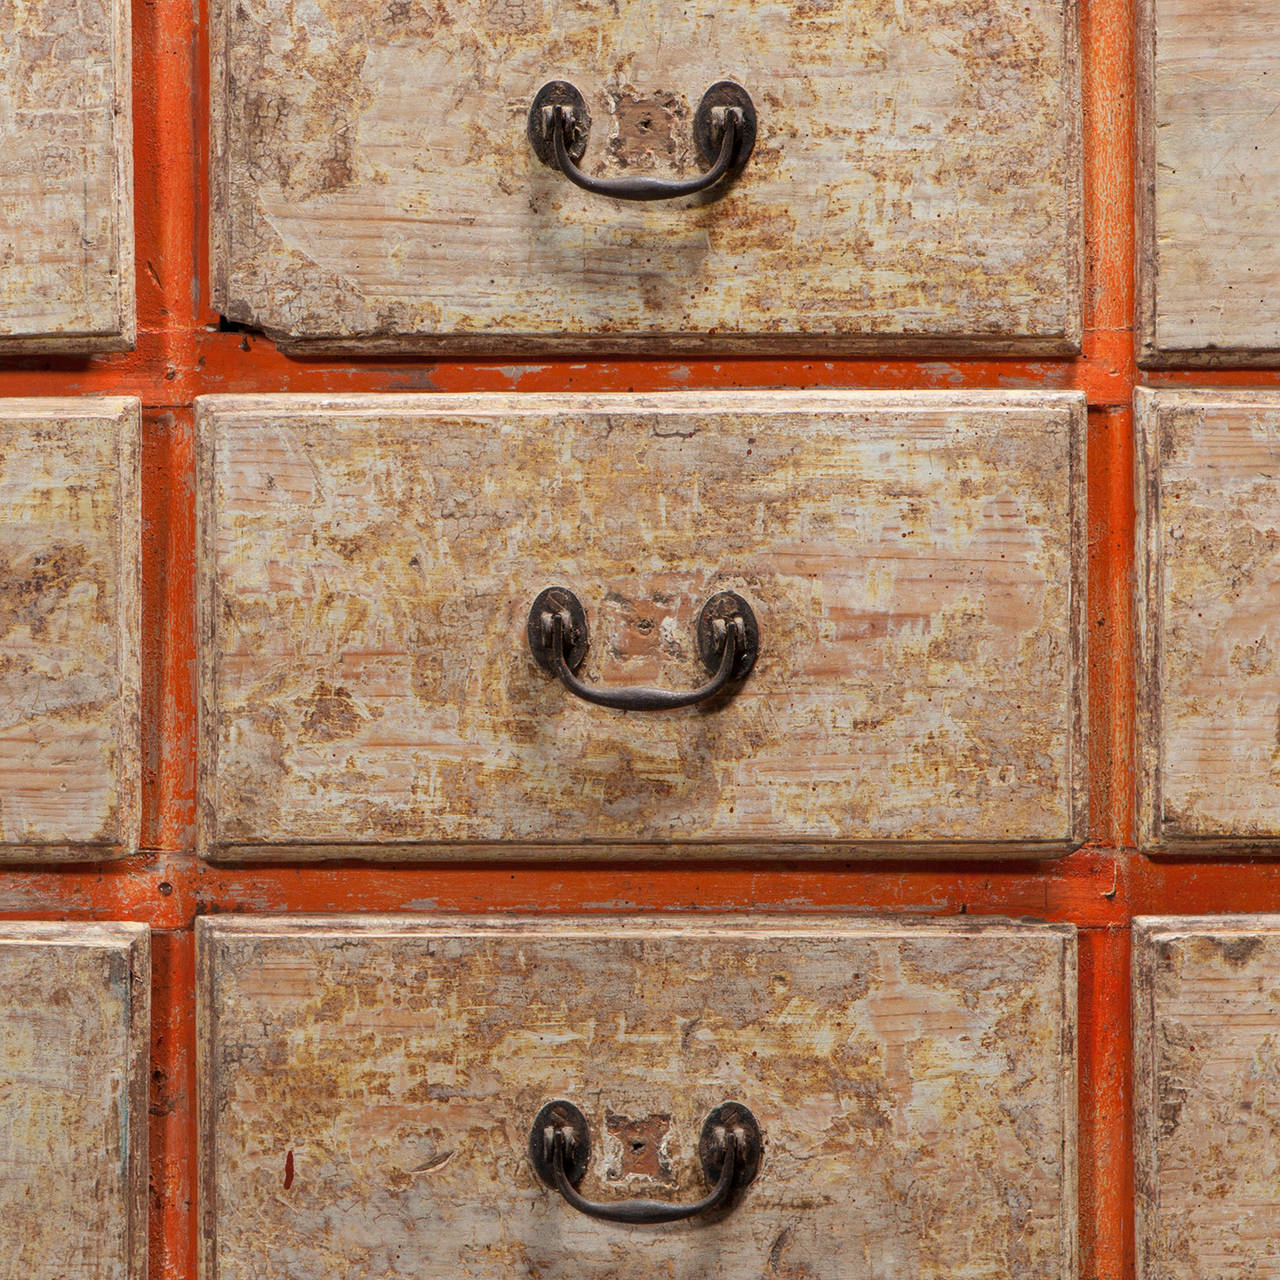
<point>133,941</point>
<point>513,404</point>
<point>126,411</point>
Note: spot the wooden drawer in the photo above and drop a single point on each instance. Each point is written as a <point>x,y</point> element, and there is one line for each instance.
<point>915,183</point>
<point>70,769</point>
<point>369,1086</point>
<point>1206,1104</point>
<point>368,566</point>
<point>1209,528</point>
<point>1209,151</point>
<point>74,1040</point>
<point>66,178</point>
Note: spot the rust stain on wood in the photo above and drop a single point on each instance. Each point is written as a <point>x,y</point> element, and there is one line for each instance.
<point>367,565</point>
<point>66,202</point>
<point>915,1084</point>
<point>69,618</point>
<point>915,186</point>
<point>74,1040</point>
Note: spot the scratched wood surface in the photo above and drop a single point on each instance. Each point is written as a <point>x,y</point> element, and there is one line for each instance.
<point>368,1086</point>
<point>1209,617</point>
<point>916,563</point>
<point>66,185</point>
<point>1209,155</point>
<point>70,770</point>
<point>1206,1102</point>
<point>915,186</point>
<point>74,1038</point>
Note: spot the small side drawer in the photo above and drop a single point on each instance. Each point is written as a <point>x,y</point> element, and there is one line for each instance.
<point>74,1046</point>
<point>369,1087</point>
<point>1207,1096</point>
<point>370,567</point>
<point>70,768</point>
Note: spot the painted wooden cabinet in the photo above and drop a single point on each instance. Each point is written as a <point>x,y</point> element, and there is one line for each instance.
<point>1206,1102</point>
<point>1209,616</point>
<point>915,565</point>
<point>70,757</point>
<point>914,187</point>
<point>1209,168</point>
<point>369,1086</point>
<point>74,1044</point>
<point>66,177</point>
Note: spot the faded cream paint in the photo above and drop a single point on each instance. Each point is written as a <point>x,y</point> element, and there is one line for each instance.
<point>1209,618</point>
<point>916,562</point>
<point>70,768</point>
<point>1209,158</point>
<point>66,177</point>
<point>1207,1097</point>
<point>74,1041</point>
<point>368,1086</point>
<point>915,187</point>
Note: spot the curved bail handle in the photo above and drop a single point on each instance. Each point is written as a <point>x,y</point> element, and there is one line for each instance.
<point>728,642</point>
<point>724,132</point>
<point>729,1150</point>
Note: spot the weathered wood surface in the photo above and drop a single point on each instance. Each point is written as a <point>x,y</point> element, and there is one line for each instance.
<point>66,184</point>
<point>1209,616</point>
<point>70,772</point>
<point>1209,154</point>
<point>1207,1107</point>
<point>368,1086</point>
<point>916,563</point>
<point>915,185</point>
<point>74,1041</point>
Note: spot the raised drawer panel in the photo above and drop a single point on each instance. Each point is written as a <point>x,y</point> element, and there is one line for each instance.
<point>66,177</point>
<point>74,1040</point>
<point>1209,152</point>
<point>915,562</point>
<point>915,184</point>
<point>369,1086</point>
<point>1209,542</point>
<point>1207,1058</point>
<point>70,772</point>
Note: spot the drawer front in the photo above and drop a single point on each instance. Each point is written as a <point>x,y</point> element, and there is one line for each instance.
<point>369,1086</point>
<point>1209,527</point>
<point>915,564</point>
<point>1205,1099</point>
<point>70,771</point>
<point>74,1038</point>
<point>915,183</point>
<point>66,199</point>
<point>1209,153</point>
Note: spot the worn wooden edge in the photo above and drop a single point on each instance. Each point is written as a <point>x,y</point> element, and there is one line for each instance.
<point>1145,182</point>
<point>211,410</point>
<point>134,942</point>
<point>220,17</point>
<point>123,333</point>
<point>1073,74</point>
<point>125,415</point>
<point>1070,1104</point>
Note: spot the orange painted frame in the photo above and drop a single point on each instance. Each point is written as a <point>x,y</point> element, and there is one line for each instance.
<point>181,354</point>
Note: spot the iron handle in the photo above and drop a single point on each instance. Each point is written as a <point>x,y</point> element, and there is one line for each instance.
<point>728,641</point>
<point>724,132</point>
<point>729,1149</point>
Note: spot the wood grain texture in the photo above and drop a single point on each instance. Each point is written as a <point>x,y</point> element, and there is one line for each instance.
<point>368,1086</point>
<point>74,1042</point>
<point>1209,171</point>
<point>66,177</point>
<point>915,186</point>
<point>1207,1109</point>
<point>1209,605</point>
<point>70,768</point>
<point>916,563</point>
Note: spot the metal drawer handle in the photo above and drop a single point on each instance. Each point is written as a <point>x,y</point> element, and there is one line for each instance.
<point>728,641</point>
<point>724,132</point>
<point>729,1149</point>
